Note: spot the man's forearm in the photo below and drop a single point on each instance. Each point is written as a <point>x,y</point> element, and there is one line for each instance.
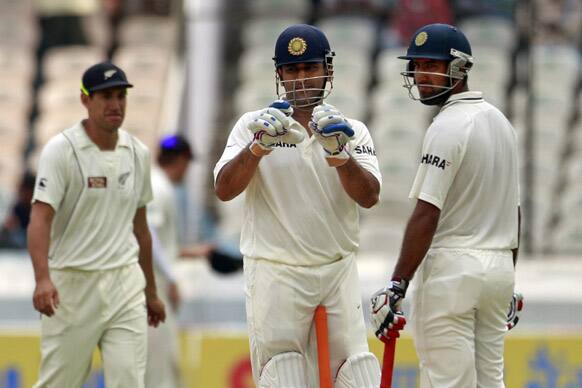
<point>417,239</point>
<point>235,176</point>
<point>359,183</point>
<point>38,247</point>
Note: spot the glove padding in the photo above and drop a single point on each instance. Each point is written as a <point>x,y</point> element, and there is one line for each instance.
<point>386,312</point>
<point>271,126</point>
<point>515,307</point>
<point>333,132</point>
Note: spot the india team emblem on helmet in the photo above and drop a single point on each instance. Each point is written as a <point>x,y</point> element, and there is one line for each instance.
<point>421,38</point>
<point>297,46</point>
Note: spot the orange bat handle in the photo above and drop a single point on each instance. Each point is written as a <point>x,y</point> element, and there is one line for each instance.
<point>322,348</point>
<point>388,361</point>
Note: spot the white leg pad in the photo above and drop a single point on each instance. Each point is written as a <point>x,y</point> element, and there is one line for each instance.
<point>285,370</point>
<point>359,371</point>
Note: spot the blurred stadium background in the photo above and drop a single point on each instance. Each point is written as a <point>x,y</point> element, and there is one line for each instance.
<point>199,64</point>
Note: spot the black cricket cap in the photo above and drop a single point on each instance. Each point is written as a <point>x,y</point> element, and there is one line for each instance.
<point>102,76</point>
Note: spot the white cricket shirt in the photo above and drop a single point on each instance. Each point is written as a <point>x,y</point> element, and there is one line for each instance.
<point>162,214</point>
<point>296,211</point>
<point>95,195</point>
<point>469,170</point>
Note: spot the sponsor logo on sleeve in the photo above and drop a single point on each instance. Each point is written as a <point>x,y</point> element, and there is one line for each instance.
<point>42,182</point>
<point>433,160</point>
<point>97,182</point>
<point>367,150</point>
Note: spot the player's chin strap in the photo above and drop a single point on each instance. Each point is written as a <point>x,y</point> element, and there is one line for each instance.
<point>457,70</point>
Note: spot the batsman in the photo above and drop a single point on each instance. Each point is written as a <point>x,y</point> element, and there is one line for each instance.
<point>461,241</point>
<point>305,169</point>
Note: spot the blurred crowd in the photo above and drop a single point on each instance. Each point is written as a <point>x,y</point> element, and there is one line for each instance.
<point>86,22</point>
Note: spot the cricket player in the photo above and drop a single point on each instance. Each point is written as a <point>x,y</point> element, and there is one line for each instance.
<point>462,238</point>
<point>306,169</point>
<point>90,244</point>
<point>174,157</point>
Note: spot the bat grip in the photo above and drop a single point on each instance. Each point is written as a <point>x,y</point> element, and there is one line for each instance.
<point>321,333</point>
<point>388,361</point>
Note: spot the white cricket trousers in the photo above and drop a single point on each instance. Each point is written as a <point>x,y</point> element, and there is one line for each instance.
<point>98,308</point>
<point>163,354</point>
<point>280,305</point>
<point>459,303</point>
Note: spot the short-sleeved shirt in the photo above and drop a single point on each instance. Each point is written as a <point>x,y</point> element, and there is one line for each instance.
<point>95,195</point>
<point>296,210</point>
<point>469,170</point>
<point>162,214</point>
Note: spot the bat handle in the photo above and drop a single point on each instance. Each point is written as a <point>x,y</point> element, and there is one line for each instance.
<point>323,359</point>
<point>388,360</point>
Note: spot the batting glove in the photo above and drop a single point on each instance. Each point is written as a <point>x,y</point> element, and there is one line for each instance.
<point>386,312</point>
<point>333,132</point>
<point>271,126</point>
<point>515,307</point>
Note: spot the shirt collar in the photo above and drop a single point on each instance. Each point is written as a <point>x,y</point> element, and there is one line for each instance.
<point>123,138</point>
<point>470,97</point>
<point>84,141</point>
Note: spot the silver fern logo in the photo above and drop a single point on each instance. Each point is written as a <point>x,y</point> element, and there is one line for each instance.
<point>123,178</point>
<point>109,73</point>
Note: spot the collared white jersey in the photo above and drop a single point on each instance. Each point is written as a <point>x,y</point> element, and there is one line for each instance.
<point>162,214</point>
<point>95,195</point>
<point>469,170</point>
<point>296,210</point>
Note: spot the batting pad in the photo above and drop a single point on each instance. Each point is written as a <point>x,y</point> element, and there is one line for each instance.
<point>359,371</point>
<point>285,370</point>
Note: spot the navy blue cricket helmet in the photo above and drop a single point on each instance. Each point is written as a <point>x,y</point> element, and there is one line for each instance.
<point>435,41</point>
<point>302,43</point>
<point>440,42</point>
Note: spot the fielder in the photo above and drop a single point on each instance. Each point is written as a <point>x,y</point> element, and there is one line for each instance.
<point>462,237</point>
<point>90,244</point>
<point>174,157</point>
<point>305,169</point>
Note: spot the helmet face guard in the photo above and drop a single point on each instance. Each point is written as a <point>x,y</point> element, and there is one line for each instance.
<point>303,43</point>
<point>456,73</point>
<point>440,42</point>
<point>300,93</point>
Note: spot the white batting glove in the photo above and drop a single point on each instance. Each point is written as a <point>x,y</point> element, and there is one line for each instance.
<point>515,307</point>
<point>272,125</point>
<point>386,308</point>
<point>333,132</point>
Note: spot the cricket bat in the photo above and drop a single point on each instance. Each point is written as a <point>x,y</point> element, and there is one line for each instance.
<point>388,360</point>
<point>321,333</point>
